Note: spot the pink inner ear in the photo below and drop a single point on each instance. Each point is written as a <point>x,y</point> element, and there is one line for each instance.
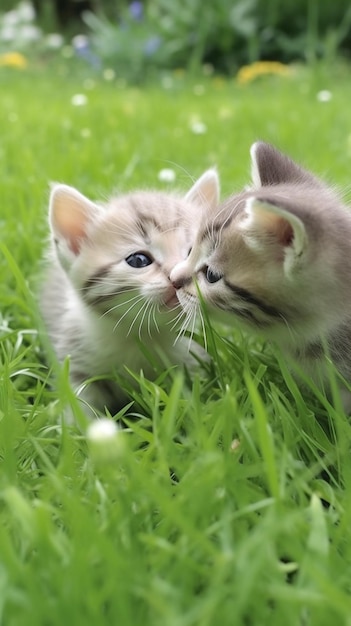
<point>70,220</point>
<point>279,227</point>
<point>75,236</point>
<point>74,245</point>
<point>285,232</point>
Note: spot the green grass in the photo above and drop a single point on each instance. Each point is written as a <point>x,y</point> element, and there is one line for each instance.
<point>170,526</point>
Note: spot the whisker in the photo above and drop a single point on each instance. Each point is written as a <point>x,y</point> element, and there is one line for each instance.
<point>109,282</point>
<point>177,319</point>
<point>151,311</point>
<point>180,312</point>
<point>184,326</point>
<point>155,310</point>
<point>117,306</point>
<point>127,312</point>
<point>192,331</point>
<point>144,305</point>
<point>145,310</point>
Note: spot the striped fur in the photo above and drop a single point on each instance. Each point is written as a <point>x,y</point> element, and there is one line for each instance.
<point>276,257</point>
<point>106,314</point>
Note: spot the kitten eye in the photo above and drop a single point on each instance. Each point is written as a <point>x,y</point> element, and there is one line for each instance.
<point>139,259</point>
<point>211,277</point>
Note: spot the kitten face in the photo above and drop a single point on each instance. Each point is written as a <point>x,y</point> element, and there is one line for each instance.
<point>273,256</point>
<point>118,257</point>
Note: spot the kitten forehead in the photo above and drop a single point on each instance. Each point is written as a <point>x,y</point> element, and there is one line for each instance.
<point>227,212</point>
<point>150,209</point>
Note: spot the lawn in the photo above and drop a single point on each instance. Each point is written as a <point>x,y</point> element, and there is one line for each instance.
<point>226,501</point>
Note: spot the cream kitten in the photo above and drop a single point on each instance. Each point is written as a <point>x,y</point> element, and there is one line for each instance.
<point>277,257</point>
<point>108,302</point>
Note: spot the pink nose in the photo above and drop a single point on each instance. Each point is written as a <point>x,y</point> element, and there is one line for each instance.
<point>178,282</point>
<point>179,276</point>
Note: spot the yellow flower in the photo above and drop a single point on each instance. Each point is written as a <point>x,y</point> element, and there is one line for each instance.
<point>13,59</point>
<point>247,73</point>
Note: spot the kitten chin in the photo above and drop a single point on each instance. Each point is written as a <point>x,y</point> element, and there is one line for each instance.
<point>107,301</point>
<point>275,259</point>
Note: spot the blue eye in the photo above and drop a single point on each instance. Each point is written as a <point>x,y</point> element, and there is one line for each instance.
<point>211,277</point>
<point>139,259</point>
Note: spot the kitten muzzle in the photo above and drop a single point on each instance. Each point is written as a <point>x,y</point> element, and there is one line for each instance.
<point>171,299</point>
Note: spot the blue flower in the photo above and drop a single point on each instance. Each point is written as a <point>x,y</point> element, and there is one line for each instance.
<point>81,45</point>
<point>136,10</point>
<point>152,45</point>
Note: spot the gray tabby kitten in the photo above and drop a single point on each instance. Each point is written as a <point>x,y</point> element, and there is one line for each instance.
<point>277,257</point>
<point>108,301</point>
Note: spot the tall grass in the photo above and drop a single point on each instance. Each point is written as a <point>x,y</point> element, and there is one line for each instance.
<point>224,501</point>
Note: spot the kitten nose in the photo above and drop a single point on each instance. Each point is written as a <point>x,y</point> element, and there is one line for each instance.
<point>178,283</point>
<point>178,278</point>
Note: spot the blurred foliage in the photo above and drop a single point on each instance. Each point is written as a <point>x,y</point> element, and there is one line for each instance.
<point>137,38</point>
<point>226,34</point>
<point>304,29</point>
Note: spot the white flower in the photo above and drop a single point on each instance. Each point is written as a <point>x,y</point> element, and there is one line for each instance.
<point>324,95</point>
<point>25,12</point>
<point>8,32</point>
<point>167,175</point>
<point>54,41</point>
<point>80,41</point>
<point>234,445</point>
<point>79,100</point>
<point>28,32</point>
<point>106,441</point>
<point>198,128</point>
<point>11,18</point>
<point>102,430</point>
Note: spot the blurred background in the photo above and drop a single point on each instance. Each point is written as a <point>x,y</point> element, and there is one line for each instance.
<point>139,38</point>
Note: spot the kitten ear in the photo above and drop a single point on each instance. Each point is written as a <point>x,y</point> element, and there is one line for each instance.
<point>271,167</point>
<point>70,214</point>
<point>268,223</point>
<point>205,192</point>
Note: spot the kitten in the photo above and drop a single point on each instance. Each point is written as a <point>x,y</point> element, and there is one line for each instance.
<point>277,257</point>
<point>107,301</point>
